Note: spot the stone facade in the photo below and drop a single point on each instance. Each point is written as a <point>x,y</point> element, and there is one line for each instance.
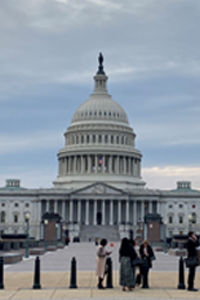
<point>99,182</point>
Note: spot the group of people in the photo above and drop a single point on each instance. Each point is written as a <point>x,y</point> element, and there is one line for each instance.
<point>130,259</point>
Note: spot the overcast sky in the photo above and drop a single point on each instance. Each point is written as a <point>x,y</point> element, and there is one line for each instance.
<point>48,56</point>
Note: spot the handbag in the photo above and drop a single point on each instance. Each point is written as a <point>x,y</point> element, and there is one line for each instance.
<point>192,261</point>
<point>137,262</point>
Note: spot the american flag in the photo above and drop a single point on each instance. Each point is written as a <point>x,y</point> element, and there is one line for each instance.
<point>100,160</point>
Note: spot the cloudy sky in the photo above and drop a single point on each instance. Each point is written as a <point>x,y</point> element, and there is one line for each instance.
<point>48,56</point>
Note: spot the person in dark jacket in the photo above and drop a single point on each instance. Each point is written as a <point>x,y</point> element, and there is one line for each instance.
<point>127,255</point>
<point>192,243</point>
<point>146,253</point>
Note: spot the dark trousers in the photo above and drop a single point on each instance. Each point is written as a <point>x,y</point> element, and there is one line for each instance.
<point>191,277</point>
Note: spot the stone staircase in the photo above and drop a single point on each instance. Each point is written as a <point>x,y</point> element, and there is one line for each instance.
<point>90,232</point>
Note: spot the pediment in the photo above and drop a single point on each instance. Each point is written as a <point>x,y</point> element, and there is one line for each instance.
<point>99,189</point>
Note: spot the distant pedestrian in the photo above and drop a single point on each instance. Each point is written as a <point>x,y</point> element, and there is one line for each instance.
<point>96,241</point>
<point>101,262</point>
<point>126,256</point>
<point>147,254</point>
<point>192,243</point>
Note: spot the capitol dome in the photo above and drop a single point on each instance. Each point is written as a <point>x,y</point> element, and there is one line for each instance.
<point>99,143</point>
<point>100,107</point>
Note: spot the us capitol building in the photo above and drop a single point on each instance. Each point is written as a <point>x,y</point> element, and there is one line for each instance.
<point>99,190</point>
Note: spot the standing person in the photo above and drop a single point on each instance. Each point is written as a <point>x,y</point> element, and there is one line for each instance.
<point>127,255</point>
<point>146,253</point>
<point>192,243</point>
<point>101,262</point>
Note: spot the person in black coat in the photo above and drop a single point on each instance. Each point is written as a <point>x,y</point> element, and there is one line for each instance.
<point>192,243</point>
<point>146,253</point>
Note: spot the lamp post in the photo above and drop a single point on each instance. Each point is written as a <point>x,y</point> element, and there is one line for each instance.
<point>150,227</point>
<point>27,218</point>
<point>190,220</point>
<point>165,236</point>
<point>57,226</point>
<point>45,234</point>
<point>63,236</point>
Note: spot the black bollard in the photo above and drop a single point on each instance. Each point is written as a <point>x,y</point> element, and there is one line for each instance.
<point>1,273</point>
<point>145,270</point>
<point>36,284</point>
<point>109,274</point>
<point>73,274</point>
<point>181,285</point>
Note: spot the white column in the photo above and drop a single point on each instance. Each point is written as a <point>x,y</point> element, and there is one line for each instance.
<point>129,166</point>
<point>124,161</point>
<point>158,207</point>
<point>87,212</point>
<point>103,212</point>
<point>47,205</point>
<point>71,211</point>
<point>103,165</point>
<point>150,207</point>
<point>82,165</point>
<point>63,210</point>
<point>110,164</point>
<point>142,211</point>
<point>55,206</point>
<point>95,213</point>
<point>134,212</point>
<point>96,163</point>
<point>119,212</point>
<point>111,212</point>
<point>89,163</point>
<point>79,211</point>
<point>69,165</point>
<point>127,211</point>
<point>39,210</point>
<point>117,164</point>
<point>75,165</point>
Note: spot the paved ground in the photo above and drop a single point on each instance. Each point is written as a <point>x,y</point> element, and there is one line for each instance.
<point>55,277</point>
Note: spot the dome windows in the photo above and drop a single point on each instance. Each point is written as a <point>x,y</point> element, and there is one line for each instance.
<point>88,139</point>
<point>94,138</point>
<point>105,113</point>
<point>106,139</point>
<point>100,113</point>
<point>90,113</point>
<point>100,138</point>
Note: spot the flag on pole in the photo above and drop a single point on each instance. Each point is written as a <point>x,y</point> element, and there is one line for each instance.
<point>100,160</point>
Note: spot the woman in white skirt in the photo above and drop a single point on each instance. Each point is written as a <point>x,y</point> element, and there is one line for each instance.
<point>101,262</point>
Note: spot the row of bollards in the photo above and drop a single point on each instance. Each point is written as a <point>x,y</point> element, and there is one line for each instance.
<point>73,285</point>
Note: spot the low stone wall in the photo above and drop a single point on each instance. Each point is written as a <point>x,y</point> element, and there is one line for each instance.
<point>178,252</point>
<point>11,258</point>
<point>36,251</point>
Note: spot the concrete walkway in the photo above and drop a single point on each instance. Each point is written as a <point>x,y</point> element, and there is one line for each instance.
<point>55,277</point>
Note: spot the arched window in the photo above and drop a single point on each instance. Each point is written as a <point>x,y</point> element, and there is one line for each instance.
<point>180,219</point>
<point>194,218</point>
<point>15,218</point>
<point>106,139</point>
<point>3,217</point>
<point>170,219</point>
<point>111,139</point>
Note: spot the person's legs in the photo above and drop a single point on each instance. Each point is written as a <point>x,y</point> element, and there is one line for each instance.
<point>100,285</point>
<point>191,278</point>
